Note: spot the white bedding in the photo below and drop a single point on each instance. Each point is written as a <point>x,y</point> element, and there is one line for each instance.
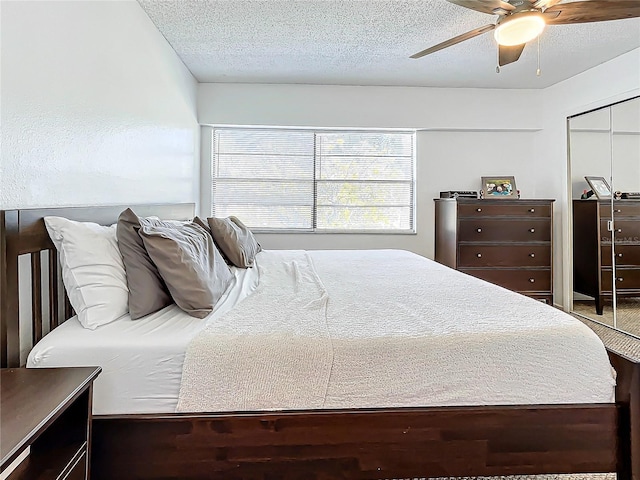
<point>401,330</point>
<point>141,359</point>
<point>430,337</point>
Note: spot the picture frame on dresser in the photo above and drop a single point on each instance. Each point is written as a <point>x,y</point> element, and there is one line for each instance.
<point>499,186</point>
<point>599,187</point>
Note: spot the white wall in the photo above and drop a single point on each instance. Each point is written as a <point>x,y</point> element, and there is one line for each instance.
<point>465,134</point>
<point>96,107</point>
<point>367,107</point>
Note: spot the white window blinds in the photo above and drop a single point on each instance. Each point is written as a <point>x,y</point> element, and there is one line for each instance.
<point>306,180</point>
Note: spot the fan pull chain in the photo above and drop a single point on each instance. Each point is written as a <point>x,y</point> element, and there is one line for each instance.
<point>498,60</point>
<point>538,70</point>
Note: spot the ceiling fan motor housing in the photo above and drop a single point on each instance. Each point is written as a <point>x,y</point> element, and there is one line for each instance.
<point>519,28</point>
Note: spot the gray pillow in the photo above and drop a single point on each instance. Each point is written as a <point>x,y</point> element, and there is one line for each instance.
<point>147,291</point>
<point>203,224</point>
<point>235,241</point>
<point>190,264</point>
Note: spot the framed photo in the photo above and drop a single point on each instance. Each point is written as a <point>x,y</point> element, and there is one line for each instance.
<point>499,187</point>
<point>599,186</point>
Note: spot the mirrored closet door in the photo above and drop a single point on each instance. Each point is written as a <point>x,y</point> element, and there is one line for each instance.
<point>604,148</point>
<point>625,171</point>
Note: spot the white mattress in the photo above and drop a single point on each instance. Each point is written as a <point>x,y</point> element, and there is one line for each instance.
<point>485,344</point>
<point>141,359</point>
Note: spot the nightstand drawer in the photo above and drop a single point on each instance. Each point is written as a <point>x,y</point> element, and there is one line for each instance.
<point>79,470</point>
<point>499,256</point>
<point>490,230</point>
<point>507,210</point>
<point>518,280</point>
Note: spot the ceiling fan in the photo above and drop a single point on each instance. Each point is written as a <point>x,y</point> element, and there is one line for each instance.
<point>520,21</point>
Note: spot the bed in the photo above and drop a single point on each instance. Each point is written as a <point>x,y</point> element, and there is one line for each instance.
<point>509,431</point>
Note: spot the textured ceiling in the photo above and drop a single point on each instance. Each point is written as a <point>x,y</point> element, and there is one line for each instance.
<point>368,42</point>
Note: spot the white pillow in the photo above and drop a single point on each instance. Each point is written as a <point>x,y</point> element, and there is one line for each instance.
<point>92,270</point>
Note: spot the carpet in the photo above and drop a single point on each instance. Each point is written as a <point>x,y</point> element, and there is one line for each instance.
<point>628,313</point>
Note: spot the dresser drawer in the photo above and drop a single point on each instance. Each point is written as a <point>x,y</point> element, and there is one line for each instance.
<point>626,231</point>
<point>508,210</point>
<point>620,209</point>
<point>625,255</point>
<point>518,280</point>
<point>504,256</point>
<point>626,279</point>
<point>504,230</point>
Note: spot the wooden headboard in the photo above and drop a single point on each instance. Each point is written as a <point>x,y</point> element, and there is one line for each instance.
<point>22,232</point>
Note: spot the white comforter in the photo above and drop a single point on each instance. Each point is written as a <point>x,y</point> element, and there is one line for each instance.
<point>387,328</point>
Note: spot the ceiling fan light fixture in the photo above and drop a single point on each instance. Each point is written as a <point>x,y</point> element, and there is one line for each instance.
<point>520,29</point>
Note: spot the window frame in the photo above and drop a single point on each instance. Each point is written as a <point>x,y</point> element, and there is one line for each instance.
<point>211,155</point>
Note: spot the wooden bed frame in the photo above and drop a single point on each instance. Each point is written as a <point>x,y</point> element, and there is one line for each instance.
<point>320,444</point>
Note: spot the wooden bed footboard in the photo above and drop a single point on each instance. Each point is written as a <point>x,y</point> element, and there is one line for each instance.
<point>344,444</point>
<point>358,444</point>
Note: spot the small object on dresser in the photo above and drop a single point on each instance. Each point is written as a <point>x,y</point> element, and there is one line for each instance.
<point>459,193</point>
<point>586,194</point>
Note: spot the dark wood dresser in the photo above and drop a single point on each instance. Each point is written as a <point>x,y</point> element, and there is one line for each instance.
<point>504,241</point>
<point>592,249</point>
<point>46,412</point>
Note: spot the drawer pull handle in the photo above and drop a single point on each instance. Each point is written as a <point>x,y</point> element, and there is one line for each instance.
<point>617,210</point>
<point>532,255</point>
<point>532,210</point>
<point>479,230</point>
<point>478,209</point>
<point>532,280</point>
<point>532,230</point>
<point>619,279</point>
<point>479,255</point>
<point>620,255</point>
<point>619,230</point>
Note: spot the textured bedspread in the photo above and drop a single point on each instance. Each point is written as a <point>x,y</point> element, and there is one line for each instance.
<point>387,328</point>
<point>266,347</point>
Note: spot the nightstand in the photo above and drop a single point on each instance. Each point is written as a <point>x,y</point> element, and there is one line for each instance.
<point>46,412</point>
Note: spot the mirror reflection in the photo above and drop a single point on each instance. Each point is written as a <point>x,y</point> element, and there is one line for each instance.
<point>604,156</point>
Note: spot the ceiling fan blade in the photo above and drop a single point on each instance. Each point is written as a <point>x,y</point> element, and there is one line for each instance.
<point>507,55</point>
<point>485,6</point>
<point>454,40</point>
<point>594,11</point>
<point>544,4</point>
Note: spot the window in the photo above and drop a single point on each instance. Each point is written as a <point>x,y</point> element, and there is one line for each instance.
<point>314,180</point>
